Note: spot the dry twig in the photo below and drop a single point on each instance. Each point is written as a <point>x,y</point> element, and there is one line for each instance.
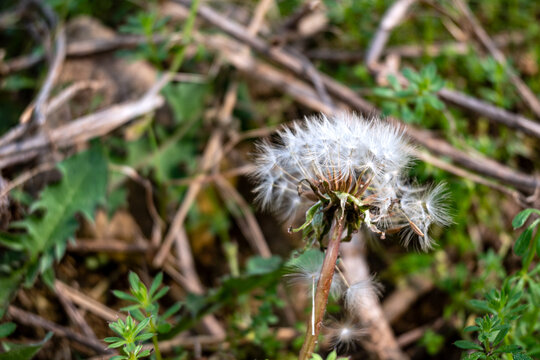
<point>33,320</point>
<point>481,165</point>
<point>530,98</point>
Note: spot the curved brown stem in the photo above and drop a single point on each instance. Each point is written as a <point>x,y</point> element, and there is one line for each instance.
<point>323,289</point>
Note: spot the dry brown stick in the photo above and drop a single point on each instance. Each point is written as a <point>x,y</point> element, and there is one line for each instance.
<point>74,314</point>
<point>413,335</point>
<point>186,263</point>
<point>398,302</point>
<point>480,107</point>
<point>158,223</point>
<point>305,95</point>
<point>212,155</point>
<point>412,51</point>
<point>52,105</point>
<point>69,92</point>
<point>52,75</point>
<point>429,159</point>
<point>481,165</point>
<point>252,232</point>
<point>191,281</point>
<point>250,67</point>
<point>81,129</point>
<point>492,112</point>
<point>391,18</point>
<point>530,98</point>
<point>25,176</point>
<point>82,245</point>
<point>238,171</point>
<point>209,156</point>
<point>379,338</point>
<point>87,303</point>
<point>33,320</point>
<point>86,48</point>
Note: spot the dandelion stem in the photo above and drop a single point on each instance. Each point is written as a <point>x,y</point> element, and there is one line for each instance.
<point>323,289</point>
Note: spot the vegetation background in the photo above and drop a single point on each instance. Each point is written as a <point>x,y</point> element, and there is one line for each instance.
<point>126,129</point>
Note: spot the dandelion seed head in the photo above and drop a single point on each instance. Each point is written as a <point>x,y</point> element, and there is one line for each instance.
<point>346,153</point>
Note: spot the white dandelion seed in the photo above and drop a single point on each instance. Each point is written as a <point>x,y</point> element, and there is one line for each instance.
<point>343,335</point>
<point>313,160</point>
<point>361,295</point>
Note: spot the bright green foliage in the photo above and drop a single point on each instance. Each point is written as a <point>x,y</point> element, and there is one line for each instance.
<point>145,302</point>
<point>18,351</point>
<point>131,337</point>
<point>52,221</point>
<point>512,322</point>
<point>411,103</point>
<point>331,356</point>
<point>145,308</point>
<point>432,341</point>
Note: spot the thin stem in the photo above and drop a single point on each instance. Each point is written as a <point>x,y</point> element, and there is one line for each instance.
<point>156,347</point>
<point>323,290</point>
<point>186,37</point>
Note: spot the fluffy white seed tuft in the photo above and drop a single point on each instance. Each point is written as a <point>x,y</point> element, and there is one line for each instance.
<point>346,151</point>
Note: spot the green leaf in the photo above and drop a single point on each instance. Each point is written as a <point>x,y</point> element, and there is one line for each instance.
<point>471,328</point>
<point>156,283</point>
<point>332,355</point>
<point>384,93</point>
<point>186,100</point>
<point>81,189</point>
<point>507,349</point>
<point>24,352</point>
<point>502,333</point>
<point>522,242</point>
<point>480,304</point>
<point>521,356</point>
<point>475,356</point>
<point>122,295</point>
<point>411,75</point>
<point>468,345</point>
<point>83,186</point>
<point>258,265</point>
<point>522,217</point>
<point>6,329</point>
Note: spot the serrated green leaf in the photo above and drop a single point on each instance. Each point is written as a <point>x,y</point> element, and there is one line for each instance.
<point>475,356</point>
<point>507,349</point>
<point>521,356</point>
<point>502,333</point>
<point>82,187</point>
